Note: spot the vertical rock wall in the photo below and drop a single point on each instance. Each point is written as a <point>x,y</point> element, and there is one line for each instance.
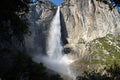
<point>39,17</point>
<point>88,19</point>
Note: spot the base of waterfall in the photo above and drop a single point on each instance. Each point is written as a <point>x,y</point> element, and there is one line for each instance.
<point>61,66</point>
<point>55,59</point>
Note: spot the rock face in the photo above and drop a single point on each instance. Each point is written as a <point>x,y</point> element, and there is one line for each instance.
<point>86,20</point>
<point>81,20</point>
<point>85,25</point>
<point>40,16</point>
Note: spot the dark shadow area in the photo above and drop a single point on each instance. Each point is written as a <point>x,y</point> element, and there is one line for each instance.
<point>64,32</point>
<point>112,4</point>
<point>67,50</point>
<point>41,33</point>
<point>15,63</point>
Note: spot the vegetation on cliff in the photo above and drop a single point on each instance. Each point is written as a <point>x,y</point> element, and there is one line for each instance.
<point>105,50</point>
<point>103,60</point>
<point>111,73</point>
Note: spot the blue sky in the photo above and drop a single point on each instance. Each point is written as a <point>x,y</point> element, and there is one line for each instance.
<point>117,6</point>
<point>57,2</point>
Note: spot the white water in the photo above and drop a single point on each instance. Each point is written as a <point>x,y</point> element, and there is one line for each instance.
<point>56,59</point>
<point>54,47</point>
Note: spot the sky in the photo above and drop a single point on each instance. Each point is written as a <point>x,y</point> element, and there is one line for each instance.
<point>117,6</point>
<point>57,2</point>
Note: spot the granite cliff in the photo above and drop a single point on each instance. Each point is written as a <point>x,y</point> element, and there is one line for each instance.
<point>40,16</point>
<point>92,32</point>
<point>87,20</point>
<point>88,28</point>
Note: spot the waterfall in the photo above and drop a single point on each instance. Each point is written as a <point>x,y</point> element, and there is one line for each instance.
<point>54,47</point>
<point>55,60</point>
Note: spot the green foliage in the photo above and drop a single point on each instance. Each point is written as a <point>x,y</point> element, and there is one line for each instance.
<point>105,50</point>
<point>11,23</point>
<point>55,77</point>
<point>112,73</point>
<point>25,68</point>
<point>81,41</point>
<point>103,60</point>
<point>20,27</point>
<point>13,6</point>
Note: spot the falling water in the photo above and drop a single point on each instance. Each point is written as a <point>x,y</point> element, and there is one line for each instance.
<point>56,60</point>
<point>54,47</point>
